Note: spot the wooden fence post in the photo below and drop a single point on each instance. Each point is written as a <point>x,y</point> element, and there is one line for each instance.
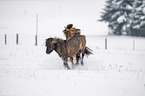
<point>5,39</point>
<point>17,39</point>
<point>106,43</point>
<point>133,45</point>
<point>36,40</point>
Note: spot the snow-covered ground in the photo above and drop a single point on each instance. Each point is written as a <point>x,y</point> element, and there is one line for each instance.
<point>26,70</point>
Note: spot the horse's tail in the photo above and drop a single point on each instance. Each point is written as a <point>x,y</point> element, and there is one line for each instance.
<point>88,51</point>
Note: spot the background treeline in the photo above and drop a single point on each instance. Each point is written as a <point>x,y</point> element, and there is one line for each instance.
<point>125,17</point>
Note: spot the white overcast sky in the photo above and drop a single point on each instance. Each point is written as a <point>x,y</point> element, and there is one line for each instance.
<point>19,16</point>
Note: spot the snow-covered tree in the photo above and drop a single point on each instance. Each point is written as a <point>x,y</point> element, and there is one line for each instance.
<point>117,14</point>
<point>125,16</point>
<point>137,24</point>
<point>109,10</point>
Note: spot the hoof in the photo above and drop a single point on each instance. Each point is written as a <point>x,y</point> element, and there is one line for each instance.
<point>68,69</point>
<point>82,63</point>
<point>77,63</point>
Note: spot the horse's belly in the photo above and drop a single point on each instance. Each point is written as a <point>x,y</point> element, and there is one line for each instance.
<point>73,51</point>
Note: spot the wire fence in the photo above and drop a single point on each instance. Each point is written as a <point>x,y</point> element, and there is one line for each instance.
<point>105,43</point>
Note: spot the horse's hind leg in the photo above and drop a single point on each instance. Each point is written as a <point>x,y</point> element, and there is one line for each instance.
<point>82,59</point>
<point>71,59</point>
<point>78,57</point>
<point>66,64</point>
<point>82,62</point>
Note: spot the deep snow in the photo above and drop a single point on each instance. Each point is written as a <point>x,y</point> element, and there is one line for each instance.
<point>26,70</point>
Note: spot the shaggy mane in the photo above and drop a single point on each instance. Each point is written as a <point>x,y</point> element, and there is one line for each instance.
<point>56,39</point>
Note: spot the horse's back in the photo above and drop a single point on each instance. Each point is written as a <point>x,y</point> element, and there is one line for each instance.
<point>77,36</point>
<point>76,43</point>
<point>82,39</point>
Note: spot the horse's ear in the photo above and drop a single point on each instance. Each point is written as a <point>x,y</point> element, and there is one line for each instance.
<point>69,26</point>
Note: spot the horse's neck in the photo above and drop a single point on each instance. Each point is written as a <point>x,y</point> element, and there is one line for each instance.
<point>60,48</point>
<point>74,36</point>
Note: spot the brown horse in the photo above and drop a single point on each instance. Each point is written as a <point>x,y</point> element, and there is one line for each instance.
<point>69,32</point>
<point>67,48</point>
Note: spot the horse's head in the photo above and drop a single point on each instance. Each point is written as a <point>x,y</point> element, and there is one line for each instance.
<point>50,45</point>
<point>73,31</point>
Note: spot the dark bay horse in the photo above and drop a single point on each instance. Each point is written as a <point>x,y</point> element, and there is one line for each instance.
<point>67,48</point>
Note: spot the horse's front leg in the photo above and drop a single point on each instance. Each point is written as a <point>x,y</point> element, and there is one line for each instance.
<point>71,58</point>
<point>66,64</point>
